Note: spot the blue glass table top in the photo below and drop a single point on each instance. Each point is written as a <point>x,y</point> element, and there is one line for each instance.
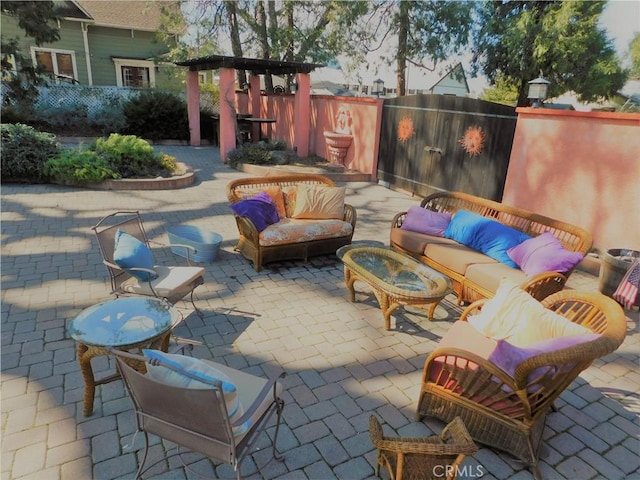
<point>398,272</point>
<point>123,321</point>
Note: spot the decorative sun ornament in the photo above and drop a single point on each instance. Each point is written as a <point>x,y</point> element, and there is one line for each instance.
<point>473,141</point>
<point>405,129</point>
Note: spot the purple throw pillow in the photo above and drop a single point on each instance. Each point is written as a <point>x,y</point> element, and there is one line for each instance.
<point>543,253</point>
<point>259,209</point>
<point>508,356</point>
<point>421,220</point>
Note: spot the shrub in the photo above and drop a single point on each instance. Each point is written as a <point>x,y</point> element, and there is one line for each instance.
<point>25,152</point>
<point>131,156</point>
<point>63,119</point>
<point>157,115</point>
<point>255,153</point>
<point>76,166</point>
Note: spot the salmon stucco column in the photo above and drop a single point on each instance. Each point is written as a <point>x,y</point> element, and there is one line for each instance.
<point>301,114</point>
<point>193,108</point>
<point>254,103</point>
<point>227,112</point>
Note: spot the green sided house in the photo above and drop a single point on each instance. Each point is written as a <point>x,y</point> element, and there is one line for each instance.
<point>104,43</point>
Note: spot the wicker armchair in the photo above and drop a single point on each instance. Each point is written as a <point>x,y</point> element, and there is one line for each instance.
<point>438,456</point>
<point>508,413</point>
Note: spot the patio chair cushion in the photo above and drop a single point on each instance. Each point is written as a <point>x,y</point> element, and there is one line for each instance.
<point>259,209</point>
<point>425,221</point>
<point>508,356</point>
<point>455,256</point>
<point>319,202</point>
<point>189,372</point>
<point>544,253</point>
<point>515,316</point>
<point>485,235</point>
<point>292,230</point>
<point>129,252</point>
<point>170,281</point>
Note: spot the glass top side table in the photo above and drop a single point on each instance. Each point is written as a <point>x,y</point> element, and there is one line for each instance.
<point>128,323</point>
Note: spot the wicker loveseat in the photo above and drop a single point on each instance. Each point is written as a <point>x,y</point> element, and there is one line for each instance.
<point>463,377</point>
<point>474,274</point>
<point>289,238</point>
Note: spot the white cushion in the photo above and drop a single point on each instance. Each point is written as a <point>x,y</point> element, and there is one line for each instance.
<point>170,280</point>
<point>515,316</point>
<point>319,201</point>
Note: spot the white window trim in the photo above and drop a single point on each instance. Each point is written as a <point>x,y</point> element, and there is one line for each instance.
<point>55,64</point>
<point>127,62</point>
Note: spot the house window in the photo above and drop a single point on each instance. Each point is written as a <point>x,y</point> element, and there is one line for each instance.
<point>59,64</point>
<point>134,73</point>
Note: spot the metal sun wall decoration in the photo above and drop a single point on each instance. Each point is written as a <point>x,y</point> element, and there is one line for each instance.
<point>405,129</point>
<point>473,141</point>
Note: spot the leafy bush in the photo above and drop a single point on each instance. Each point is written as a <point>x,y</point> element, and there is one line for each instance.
<point>157,115</point>
<point>131,156</point>
<point>25,152</point>
<point>255,153</point>
<point>76,166</point>
<point>70,119</point>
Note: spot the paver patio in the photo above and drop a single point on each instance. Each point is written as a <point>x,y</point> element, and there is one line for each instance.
<point>342,365</point>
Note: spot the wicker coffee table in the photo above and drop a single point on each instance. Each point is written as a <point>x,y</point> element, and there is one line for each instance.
<point>395,278</point>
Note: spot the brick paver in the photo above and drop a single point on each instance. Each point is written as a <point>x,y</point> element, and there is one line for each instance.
<point>342,365</point>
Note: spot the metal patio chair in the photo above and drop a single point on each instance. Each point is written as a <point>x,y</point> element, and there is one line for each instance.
<point>197,415</point>
<point>172,283</point>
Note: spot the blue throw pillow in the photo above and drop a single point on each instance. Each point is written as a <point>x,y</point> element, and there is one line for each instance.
<point>259,209</point>
<point>129,252</point>
<point>485,235</point>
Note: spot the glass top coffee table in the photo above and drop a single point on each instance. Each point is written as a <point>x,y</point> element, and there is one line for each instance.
<point>395,278</point>
<point>125,323</point>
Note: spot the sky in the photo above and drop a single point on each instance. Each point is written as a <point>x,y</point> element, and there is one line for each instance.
<point>621,19</point>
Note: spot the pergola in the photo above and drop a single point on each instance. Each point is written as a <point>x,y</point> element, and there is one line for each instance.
<point>256,67</point>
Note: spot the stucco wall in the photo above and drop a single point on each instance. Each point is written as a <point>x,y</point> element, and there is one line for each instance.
<point>580,167</point>
<point>366,114</point>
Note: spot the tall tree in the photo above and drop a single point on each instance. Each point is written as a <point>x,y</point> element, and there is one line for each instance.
<point>38,20</point>
<point>426,32</point>
<point>429,30</point>
<point>634,53</point>
<point>561,40</point>
<point>290,30</point>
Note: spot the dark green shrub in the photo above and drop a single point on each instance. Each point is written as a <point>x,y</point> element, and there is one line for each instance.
<point>25,152</point>
<point>76,166</point>
<point>254,153</point>
<point>157,115</point>
<point>13,115</point>
<point>63,119</point>
<point>131,156</point>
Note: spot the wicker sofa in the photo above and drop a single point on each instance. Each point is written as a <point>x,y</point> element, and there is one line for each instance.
<point>290,238</point>
<point>507,410</point>
<point>474,274</point>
